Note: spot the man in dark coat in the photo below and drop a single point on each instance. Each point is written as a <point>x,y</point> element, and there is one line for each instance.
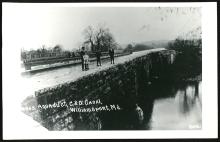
<point>82,53</point>
<point>98,57</point>
<point>111,54</point>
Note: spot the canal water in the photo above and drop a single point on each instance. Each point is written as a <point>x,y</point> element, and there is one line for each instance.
<point>166,106</point>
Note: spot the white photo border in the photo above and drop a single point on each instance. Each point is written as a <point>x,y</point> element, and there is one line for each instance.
<point>12,127</point>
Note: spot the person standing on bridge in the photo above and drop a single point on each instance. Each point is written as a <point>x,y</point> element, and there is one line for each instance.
<point>98,57</point>
<point>86,61</point>
<point>82,53</point>
<point>111,54</point>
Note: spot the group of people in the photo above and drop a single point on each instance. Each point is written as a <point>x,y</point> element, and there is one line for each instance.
<point>85,58</point>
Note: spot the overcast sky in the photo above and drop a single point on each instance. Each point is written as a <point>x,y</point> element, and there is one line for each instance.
<point>34,26</point>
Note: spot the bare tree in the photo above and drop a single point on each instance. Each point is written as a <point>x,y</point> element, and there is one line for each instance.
<point>99,39</point>
<point>108,41</point>
<point>89,36</point>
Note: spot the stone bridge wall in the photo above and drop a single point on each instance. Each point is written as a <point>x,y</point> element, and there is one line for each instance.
<point>116,87</point>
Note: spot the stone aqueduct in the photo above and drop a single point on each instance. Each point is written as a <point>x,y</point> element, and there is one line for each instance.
<point>117,86</point>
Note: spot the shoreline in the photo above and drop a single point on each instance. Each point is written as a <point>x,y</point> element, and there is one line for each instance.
<point>193,79</point>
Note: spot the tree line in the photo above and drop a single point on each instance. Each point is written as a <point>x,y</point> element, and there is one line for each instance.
<point>43,52</point>
<point>99,38</point>
<point>188,62</point>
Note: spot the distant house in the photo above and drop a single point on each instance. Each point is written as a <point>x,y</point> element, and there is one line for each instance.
<point>88,46</point>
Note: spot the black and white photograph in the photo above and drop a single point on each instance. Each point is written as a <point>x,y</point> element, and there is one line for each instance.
<point>116,68</point>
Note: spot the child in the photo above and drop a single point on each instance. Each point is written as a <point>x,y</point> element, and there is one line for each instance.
<point>86,61</point>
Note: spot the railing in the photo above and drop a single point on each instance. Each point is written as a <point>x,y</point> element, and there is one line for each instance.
<point>75,60</point>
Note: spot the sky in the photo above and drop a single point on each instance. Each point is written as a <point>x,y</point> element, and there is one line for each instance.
<point>31,26</point>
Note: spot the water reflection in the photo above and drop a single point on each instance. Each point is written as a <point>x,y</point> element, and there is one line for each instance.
<point>165,107</point>
<point>181,111</point>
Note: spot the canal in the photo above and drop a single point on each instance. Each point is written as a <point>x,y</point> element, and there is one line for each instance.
<point>166,106</point>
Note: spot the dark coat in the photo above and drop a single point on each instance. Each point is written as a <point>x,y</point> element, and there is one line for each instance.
<point>111,52</point>
<point>82,53</point>
<point>98,54</point>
